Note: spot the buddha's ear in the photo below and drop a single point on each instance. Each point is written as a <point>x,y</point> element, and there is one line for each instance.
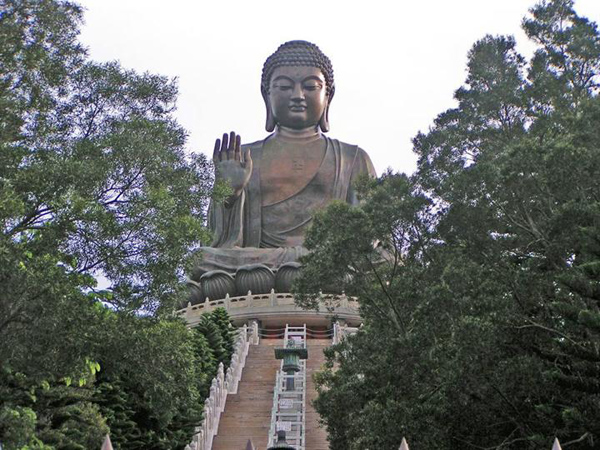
<point>324,122</point>
<point>270,124</point>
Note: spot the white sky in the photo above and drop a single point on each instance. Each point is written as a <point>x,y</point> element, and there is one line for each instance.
<point>397,63</point>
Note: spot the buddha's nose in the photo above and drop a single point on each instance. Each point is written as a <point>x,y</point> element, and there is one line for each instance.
<point>298,93</point>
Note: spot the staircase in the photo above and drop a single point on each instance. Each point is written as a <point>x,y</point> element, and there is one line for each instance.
<point>247,414</point>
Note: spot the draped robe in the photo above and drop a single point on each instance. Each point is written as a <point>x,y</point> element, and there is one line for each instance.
<point>247,232</point>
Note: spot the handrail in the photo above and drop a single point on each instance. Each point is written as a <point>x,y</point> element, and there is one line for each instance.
<point>222,385</point>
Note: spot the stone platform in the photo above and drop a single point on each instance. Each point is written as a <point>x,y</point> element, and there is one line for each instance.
<point>275,309</point>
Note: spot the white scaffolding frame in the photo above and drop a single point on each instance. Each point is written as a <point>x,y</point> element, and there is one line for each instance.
<point>289,407</point>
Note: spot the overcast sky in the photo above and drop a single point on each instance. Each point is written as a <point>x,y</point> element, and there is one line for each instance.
<point>396,63</point>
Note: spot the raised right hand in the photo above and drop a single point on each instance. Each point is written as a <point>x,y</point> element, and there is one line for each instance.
<point>230,164</point>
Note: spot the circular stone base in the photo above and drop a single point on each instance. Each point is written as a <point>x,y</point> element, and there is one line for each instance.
<point>276,310</point>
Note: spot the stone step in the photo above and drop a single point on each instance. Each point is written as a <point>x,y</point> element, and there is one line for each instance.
<point>267,362</point>
<point>236,414</point>
<point>233,431</point>
<point>232,423</point>
<point>240,444</point>
<point>258,369</point>
<point>262,405</point>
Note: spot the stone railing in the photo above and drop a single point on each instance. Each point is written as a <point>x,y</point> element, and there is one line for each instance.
<point>341,331</point>
<point>222,384</point>
<point>243,308</point>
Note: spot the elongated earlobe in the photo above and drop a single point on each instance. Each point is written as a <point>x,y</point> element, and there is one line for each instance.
<point>270,123</point>
<point>324,122</point>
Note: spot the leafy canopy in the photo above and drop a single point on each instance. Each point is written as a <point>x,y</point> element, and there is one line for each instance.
<point>478,276</point>
<point>95,184</point>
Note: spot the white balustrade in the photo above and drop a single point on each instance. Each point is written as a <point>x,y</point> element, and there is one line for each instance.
<point>243,307</point>
<point>222,384</point>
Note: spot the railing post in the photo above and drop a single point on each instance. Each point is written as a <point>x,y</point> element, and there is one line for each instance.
<point>335,333</point>
<point>344,301</point>
<point>255,336</point>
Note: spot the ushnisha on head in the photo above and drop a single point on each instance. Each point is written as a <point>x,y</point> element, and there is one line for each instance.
<point>302,66</point>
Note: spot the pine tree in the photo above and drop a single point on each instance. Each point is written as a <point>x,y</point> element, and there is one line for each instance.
<point>205,360</point>
<point>221,318</point>
<point>212,333</point>
<point>116,406</point>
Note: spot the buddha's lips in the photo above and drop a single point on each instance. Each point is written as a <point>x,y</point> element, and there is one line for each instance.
<point>298,108</point>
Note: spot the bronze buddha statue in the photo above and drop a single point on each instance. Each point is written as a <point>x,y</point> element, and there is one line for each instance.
<point>278,183</point>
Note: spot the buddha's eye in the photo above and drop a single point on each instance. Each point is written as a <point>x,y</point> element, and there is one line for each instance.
<point>312,87</point>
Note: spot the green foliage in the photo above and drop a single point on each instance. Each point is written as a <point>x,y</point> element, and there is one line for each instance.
<point>48,414</point>
<point>205,362</point>
<point>95,174</point>
<point>149,392</point>
<point>94,182</point>
<point>480,297</point>
<point>220,317</point>
<point>211,331</point>
<point>18,428</point>
<point>155,378</point>
<point>117,407</point>
<point>151,385</point>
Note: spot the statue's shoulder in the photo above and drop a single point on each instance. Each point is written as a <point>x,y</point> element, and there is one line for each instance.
<point>348,149</point>
<point>355,154</point>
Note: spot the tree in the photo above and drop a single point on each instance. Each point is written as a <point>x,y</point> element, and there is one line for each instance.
<point>221,318</point>
<point>481,299</point>
<point>152,385</point>
<point>211,331</point>
<point>96,166</point>
<point>48,415</point>
<point>94,182</point>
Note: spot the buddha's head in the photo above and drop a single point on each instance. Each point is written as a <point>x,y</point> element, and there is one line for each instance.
<point>297,87</point>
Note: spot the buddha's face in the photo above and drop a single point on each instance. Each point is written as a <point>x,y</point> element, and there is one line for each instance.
<point>298,96</point>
